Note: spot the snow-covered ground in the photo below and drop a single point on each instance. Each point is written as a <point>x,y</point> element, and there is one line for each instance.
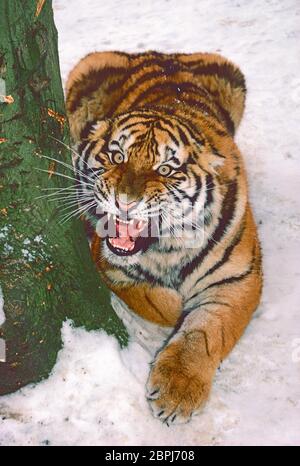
<point>96,392</point>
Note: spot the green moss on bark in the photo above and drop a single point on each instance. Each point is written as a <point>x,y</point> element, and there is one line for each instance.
<point>46,272</point>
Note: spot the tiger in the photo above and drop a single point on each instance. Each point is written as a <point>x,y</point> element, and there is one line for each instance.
<point>154,138</point>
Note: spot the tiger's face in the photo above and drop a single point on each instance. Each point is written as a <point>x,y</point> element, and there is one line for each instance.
<point>148,183</point>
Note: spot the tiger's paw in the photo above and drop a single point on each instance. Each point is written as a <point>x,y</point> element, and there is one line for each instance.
<point>177,388</point>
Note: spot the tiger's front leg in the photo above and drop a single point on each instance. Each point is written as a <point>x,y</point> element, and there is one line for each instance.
<point>182,373</point>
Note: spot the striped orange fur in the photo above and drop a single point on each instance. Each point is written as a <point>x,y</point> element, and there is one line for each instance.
<point>157,130</point>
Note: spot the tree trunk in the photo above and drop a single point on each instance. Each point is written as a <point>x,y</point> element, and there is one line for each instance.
<point>46,273</point>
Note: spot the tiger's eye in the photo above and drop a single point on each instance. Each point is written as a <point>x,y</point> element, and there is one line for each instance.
<point>117,158</point>
<point>164,170</point>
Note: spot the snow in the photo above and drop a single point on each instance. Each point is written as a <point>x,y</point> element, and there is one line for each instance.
<point>95,394</point>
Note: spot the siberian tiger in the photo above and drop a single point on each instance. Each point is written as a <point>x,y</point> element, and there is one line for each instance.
<point>154,138</point>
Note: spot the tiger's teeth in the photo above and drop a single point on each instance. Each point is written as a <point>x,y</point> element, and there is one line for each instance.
<point>120,248</point>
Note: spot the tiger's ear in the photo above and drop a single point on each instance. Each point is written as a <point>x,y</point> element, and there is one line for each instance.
<point>79,122</point>
<point>87,95</point>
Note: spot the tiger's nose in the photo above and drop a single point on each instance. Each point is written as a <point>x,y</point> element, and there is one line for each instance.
<point>125,203</point>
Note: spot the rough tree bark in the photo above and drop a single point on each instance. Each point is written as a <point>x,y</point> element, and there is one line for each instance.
<point>46,272</point>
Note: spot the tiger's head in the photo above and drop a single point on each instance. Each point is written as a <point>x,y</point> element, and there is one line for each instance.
<point>151,178</point>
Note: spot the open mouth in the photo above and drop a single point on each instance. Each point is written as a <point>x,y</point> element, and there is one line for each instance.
<point>127,237</point>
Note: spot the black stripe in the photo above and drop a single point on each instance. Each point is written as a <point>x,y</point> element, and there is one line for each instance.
<point>131,125</point>
<point>217,153</point>
<point>233,279</point>
<point>153,119</point>
<point>87,153</point>
<point>87,129</point>
<point>92,145</point>
<point>223,117</point>
<point>176,89</point>
<point>172,193</point>
<point>148,276</point>
<point>182,135</point>
<point>223,70</point>
<point>130,273</point>
<point>203,107</point>
<point>226,118</point>
<point>199,90</point>
<point>92,82</point>
<point>145,77</point>
<point>193,197</point>
<point>227,214</point>
<point>101,159</point>
<point>171,135</point>
<point>155,308</point>
<point>175,160</point>
<point>188,310</point>
<point>183,86</point>
<point>182,121</point>
<point>228,251</point>
<point>196,162</point>
<point>82,146</point>
<point>144,115</point>
<point>221,132</point>
<point>167,67</point>
<point>209,190</point>
<point>178,176</point>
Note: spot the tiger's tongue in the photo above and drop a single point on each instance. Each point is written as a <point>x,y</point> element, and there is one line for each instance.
<point>126,234</point>
<point>123,243</point>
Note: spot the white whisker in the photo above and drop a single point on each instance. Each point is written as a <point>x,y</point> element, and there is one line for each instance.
<point>63,176</point>
<point>77,212</point>
<point>62,195</point>
<point>71,167</point>
<point>66,206</point>
<point>71,149</point>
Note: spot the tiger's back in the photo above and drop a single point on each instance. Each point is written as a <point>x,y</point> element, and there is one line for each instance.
<point>105,84</point>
